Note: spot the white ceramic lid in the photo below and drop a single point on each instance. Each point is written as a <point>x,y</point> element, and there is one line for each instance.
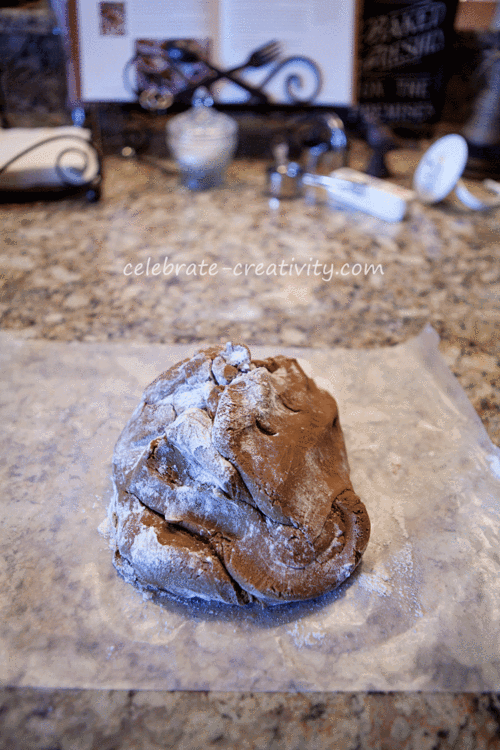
<point>440,168</point>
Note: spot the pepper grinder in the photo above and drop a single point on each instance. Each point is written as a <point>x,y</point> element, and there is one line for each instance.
<point>483,127</point>
<point>482,130</point>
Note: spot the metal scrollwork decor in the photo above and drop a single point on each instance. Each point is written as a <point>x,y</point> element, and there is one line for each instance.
<point>297,89</point>
<point>168,72</point>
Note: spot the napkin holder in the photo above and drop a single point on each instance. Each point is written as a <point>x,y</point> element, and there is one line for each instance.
<point>44,163</point>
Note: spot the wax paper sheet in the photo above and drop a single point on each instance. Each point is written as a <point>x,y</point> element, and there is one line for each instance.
<point>421,612</point>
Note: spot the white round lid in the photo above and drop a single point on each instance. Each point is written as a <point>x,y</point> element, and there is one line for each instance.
<point>440,168</point>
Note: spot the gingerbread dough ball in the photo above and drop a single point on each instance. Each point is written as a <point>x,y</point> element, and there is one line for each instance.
<point>232,484</point>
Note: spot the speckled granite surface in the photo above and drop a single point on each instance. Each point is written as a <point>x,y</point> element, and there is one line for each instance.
<point>100,720</point>
<point>71,271</point>
<point>62,267</point>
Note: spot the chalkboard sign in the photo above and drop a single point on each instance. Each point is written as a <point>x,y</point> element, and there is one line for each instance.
<point>405,59</point>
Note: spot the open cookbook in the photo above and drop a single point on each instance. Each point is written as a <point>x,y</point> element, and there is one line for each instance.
<point>106,38</point>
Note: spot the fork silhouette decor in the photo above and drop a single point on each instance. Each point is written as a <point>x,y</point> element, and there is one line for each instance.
<point>169,72</point>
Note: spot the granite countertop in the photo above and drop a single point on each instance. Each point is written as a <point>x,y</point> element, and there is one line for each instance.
<point>70,271</point>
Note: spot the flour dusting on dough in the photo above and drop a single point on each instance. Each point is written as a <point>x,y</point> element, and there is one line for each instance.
<point>232,484</point>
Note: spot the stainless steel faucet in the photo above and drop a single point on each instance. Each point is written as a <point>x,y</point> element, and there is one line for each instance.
<point>329,145</point>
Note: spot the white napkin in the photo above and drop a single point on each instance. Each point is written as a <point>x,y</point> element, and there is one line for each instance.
<point>46,157</point>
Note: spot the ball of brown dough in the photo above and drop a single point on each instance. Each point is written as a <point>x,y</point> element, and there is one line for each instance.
<point>232,484</point>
